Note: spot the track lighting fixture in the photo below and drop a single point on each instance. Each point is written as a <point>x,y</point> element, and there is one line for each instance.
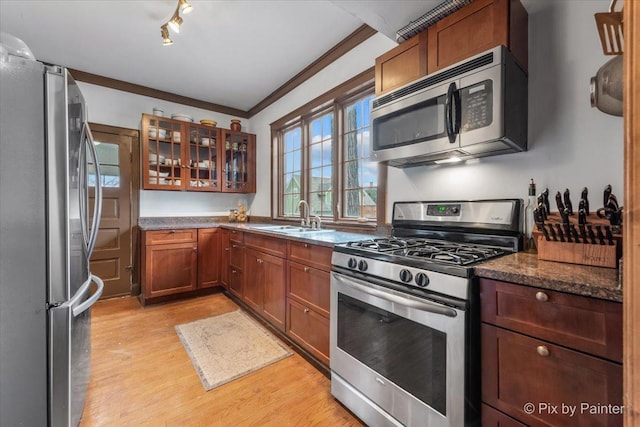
<point>164,31</point>
<point>174,23</point>
<point>184,6</point>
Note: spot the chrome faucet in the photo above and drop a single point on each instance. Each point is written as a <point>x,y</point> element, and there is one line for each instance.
<point>306,222</point>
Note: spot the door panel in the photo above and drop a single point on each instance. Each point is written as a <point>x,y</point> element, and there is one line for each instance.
<point>112,257</point>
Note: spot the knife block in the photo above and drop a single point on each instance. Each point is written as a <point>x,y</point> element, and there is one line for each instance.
<point>578,253</point>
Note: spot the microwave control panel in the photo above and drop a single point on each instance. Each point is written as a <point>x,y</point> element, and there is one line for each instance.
<point>477,106</point>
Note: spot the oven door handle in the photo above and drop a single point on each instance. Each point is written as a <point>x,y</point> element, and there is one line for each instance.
<point>373,291</point>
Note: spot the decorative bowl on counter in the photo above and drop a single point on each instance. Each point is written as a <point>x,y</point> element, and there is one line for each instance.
<point>183,117</point>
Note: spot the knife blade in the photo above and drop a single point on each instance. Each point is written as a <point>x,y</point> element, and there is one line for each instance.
<point>600,235</point>
<point>560,233</point>
<point>607,231</point>
<point>545,199</point>
<point>607,193</point>
<point>592,236</point>
<point>574,232</point>
<point>584,196</point>
<point>567,201</point>
<point>552,232</point>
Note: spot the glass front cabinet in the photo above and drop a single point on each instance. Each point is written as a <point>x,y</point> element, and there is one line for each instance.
<point>179,155</point>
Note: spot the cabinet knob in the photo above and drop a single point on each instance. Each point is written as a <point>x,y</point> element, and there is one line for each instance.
<point>172,231</point>
<point>195,249</point>
<point>234,271</point>
<point>306,310</point>
<point>542,297</point>
<point>234,246</point>
<point>306,269</point>
<point>226,249</point>
<point>306,245</point>
<point>543,350</point>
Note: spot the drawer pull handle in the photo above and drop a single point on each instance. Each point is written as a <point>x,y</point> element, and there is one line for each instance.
<point>172,231</point>
<point>542,297</point>
<point>195,249</point>
<point>306,245</point>
<point>543,350</point>
<point>234,271</point>
<point>306,269</point>
<point>306,310</point>
<point>226,249</point>
<point>234,246</point>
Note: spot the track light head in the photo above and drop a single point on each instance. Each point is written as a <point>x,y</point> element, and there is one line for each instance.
<point>175,21</point>
<point>164,32</point>
<point>185,6</point>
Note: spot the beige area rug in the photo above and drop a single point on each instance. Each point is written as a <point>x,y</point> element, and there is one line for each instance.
<point>225,347</point>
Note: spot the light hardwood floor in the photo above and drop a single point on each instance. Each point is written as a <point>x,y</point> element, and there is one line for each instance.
<point>142,376</point>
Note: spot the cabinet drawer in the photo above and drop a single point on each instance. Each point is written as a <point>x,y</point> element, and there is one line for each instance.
<point>157,237</point>
<point>270,245</point>
<point>517,370</point>
<point>495,418</point>
<point>309,329</point>
<point>236,236</point>
<point>313,255</point>
<point>586,324</point>
<point>236,254</point>
<point>309,286</point>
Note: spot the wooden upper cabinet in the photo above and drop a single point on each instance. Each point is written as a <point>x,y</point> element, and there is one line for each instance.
<point>402,64</point>
<point>476,28</point>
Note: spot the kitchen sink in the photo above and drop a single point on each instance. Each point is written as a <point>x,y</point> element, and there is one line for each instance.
<point>292,229</point>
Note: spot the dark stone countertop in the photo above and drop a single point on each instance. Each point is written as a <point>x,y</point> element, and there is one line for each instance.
<point>525,269</point>
<point>329,238</point>
<point>168,223</point>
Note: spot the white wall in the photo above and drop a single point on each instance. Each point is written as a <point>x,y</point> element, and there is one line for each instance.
<point>571,145</point>
<point>117,108</point>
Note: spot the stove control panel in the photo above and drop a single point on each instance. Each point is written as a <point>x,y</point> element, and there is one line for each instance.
<point>444,210</point>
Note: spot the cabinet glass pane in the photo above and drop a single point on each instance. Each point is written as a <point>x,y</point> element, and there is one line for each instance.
<point>165,162</point>
<point>236,166</point>
<point>203,145</point>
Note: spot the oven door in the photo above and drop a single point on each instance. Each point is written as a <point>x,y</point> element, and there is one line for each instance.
<point>396,358</point>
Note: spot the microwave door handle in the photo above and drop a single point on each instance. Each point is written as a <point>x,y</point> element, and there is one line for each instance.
<point>458,112</point>
<point>448,113</point>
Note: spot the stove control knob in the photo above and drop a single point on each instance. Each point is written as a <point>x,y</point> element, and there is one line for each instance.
<point>352,263</point>
<point>422,280</point>
<point>362,266</point>
<point>405,275</point>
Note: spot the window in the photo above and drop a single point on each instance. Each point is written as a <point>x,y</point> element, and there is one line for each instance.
<point>323,157</point>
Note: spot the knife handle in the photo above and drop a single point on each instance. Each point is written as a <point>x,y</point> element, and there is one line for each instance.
<point>584,197</point>
<point>552,231</point>
<point>560,233</point>
<point>567,201</point>
<point>542,228</point>
<point>600,235</point>
<point>607,231</point>
<point>592,235</point>
<point>559,203</point>
<point>574,233</point>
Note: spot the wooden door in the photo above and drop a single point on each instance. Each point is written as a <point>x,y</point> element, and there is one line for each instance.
<point>208,257</point>
<point>112,258</point>
<point>274,292</point>
<point>253,294</point>
<point>224,257</point>
<point>170,269</point>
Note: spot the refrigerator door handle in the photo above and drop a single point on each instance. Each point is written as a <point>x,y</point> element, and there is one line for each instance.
<point>97,211</point>
<point>92,299</point>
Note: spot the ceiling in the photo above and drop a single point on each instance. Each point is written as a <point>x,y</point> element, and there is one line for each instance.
<point>231,53</point>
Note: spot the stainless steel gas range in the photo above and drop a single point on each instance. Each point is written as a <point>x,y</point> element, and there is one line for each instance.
<point>404,313</point>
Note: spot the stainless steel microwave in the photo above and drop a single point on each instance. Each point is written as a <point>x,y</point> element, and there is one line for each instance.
<point>475,108</point>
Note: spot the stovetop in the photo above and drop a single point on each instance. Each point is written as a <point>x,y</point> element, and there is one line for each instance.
<point>435,245</point>
<point>428,250</point>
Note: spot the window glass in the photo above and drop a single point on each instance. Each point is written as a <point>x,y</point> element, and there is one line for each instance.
<point>311,161</point>
<point>108,157</point>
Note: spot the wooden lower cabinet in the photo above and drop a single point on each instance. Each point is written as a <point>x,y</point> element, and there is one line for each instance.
<point>169,269</point>
<point>264,289</point>
<point>208,257</point>
<point>545,360</point>
<point>309,329</point>
<point>224,258</point>
<point>493,418</point>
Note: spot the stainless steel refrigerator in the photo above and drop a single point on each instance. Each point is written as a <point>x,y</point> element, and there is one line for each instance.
<point>47,161</point>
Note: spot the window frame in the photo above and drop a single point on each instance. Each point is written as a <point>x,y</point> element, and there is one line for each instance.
<point>335,101</point>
